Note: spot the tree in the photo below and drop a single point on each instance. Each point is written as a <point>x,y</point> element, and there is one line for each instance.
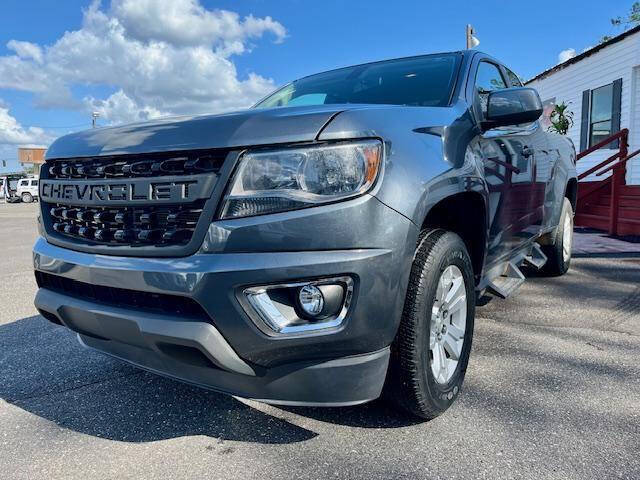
<point>561,119</point>
<point>630,20</point>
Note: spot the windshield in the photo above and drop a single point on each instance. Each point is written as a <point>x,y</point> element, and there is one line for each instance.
<point>418,81</point>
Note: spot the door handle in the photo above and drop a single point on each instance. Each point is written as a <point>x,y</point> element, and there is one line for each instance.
<point>526,151</point>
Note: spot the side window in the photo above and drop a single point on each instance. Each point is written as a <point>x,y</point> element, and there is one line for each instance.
<point>488,79</point>
<point>24,183</point>
<point>513,78</point>
<point>601,114</point>
<point>34,183</point>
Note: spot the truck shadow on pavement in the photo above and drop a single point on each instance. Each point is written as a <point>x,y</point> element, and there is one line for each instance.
<point>46,372</point>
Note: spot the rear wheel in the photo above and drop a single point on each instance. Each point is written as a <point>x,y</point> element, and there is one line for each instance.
<point>27,197</point>
<point>430,354</point>
<point>559,253</point>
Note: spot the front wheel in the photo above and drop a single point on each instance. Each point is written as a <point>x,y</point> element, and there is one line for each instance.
<point>430,353</point>
<point>27,197</point>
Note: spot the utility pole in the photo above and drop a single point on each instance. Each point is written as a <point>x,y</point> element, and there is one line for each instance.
<point>94,117</point>
<point>471,40</point>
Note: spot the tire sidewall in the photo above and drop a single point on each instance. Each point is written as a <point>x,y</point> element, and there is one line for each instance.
<point>27,198</point>
<point>563,266</point>
<point>456,254</point>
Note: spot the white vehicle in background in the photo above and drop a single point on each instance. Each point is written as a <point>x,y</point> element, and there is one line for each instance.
<point>27,189</point>
<point>8,186</point>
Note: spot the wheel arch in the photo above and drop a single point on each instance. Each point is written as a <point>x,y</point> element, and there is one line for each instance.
<point>571,192</point>
<point>464,213</point>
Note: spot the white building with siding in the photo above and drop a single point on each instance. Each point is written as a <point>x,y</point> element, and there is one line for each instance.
<point>602,88</point>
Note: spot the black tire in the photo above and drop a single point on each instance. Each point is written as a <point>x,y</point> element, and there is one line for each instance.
<point>557,264</point>
<point>410,381</point>
<point>27,197</point>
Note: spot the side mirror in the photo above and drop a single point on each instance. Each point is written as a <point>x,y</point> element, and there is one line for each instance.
<point>512,106</point>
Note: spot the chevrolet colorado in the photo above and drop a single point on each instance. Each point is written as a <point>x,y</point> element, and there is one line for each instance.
<point>324,247</point>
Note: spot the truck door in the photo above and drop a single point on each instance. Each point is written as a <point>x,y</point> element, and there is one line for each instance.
<point>541,164</point>
<point>508,155</point>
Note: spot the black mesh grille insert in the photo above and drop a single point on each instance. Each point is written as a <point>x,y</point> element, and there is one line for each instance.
<point>121,297</point>
<point>157,225</point>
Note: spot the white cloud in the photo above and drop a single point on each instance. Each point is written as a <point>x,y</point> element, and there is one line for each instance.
<point>186,22</point>
<point>567,54</point>
<point>12,133</point>
<point>158,57</point>
<point>26,50</point>
<point>119,108</point>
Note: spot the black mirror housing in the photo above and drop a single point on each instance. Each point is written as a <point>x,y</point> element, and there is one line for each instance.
<point>512,106</point>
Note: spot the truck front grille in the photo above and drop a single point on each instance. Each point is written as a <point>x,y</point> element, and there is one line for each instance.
<point>151,199</point>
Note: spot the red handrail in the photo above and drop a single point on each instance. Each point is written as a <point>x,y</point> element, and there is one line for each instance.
<point>620,163</point>
<point>622,133</point>
<point>599,166</point>
<point>617,169</point>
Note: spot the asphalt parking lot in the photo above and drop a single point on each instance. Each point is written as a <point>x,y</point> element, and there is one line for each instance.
<point>552,392</point>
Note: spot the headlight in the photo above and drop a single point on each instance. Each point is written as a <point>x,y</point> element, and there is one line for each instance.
<point>271,181</point>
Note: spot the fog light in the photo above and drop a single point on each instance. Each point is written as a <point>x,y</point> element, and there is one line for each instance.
<point>298,308</point>
<point>311,300</point>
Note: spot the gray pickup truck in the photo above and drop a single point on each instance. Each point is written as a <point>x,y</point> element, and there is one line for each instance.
<point>325,247</point>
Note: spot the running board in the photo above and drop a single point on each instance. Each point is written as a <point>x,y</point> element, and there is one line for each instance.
<point>536,259</point>
<point>507,283</point>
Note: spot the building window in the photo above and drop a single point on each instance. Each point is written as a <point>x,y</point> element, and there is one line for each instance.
<point>601,114</point>
<point>601,109</point>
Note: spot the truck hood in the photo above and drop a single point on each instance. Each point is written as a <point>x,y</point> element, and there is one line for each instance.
<point>229,130</point>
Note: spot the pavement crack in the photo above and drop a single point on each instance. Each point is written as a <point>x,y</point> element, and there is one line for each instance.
<point>18,400</point>
<point>597,347</point>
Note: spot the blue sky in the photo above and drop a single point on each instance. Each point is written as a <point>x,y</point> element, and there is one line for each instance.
<point>56,88</point>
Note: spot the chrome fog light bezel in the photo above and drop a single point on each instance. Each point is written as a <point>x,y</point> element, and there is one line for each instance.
<point>271,321</point>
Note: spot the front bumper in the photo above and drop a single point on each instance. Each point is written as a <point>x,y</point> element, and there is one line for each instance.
<point>225,350</point>
<point>195,352</point>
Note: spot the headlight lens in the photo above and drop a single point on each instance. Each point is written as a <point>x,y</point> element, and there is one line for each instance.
<point>279,180</point>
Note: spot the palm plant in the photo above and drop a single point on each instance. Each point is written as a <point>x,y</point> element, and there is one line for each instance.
<point>561,119</point>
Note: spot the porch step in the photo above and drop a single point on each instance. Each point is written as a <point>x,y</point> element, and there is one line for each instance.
<point>632,201</point>
<point>603,211</point>
<point>599,222</point>
<point>626,226</point>
<point>632,190</point>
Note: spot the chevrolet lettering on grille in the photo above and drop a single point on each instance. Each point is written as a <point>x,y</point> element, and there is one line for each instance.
<point>130,191</point>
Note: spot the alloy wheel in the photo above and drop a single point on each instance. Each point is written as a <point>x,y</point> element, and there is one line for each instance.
<point>567,238</point>
<point>448,324</point>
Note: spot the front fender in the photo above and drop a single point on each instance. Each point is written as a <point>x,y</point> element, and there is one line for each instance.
<point>426,153</point>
